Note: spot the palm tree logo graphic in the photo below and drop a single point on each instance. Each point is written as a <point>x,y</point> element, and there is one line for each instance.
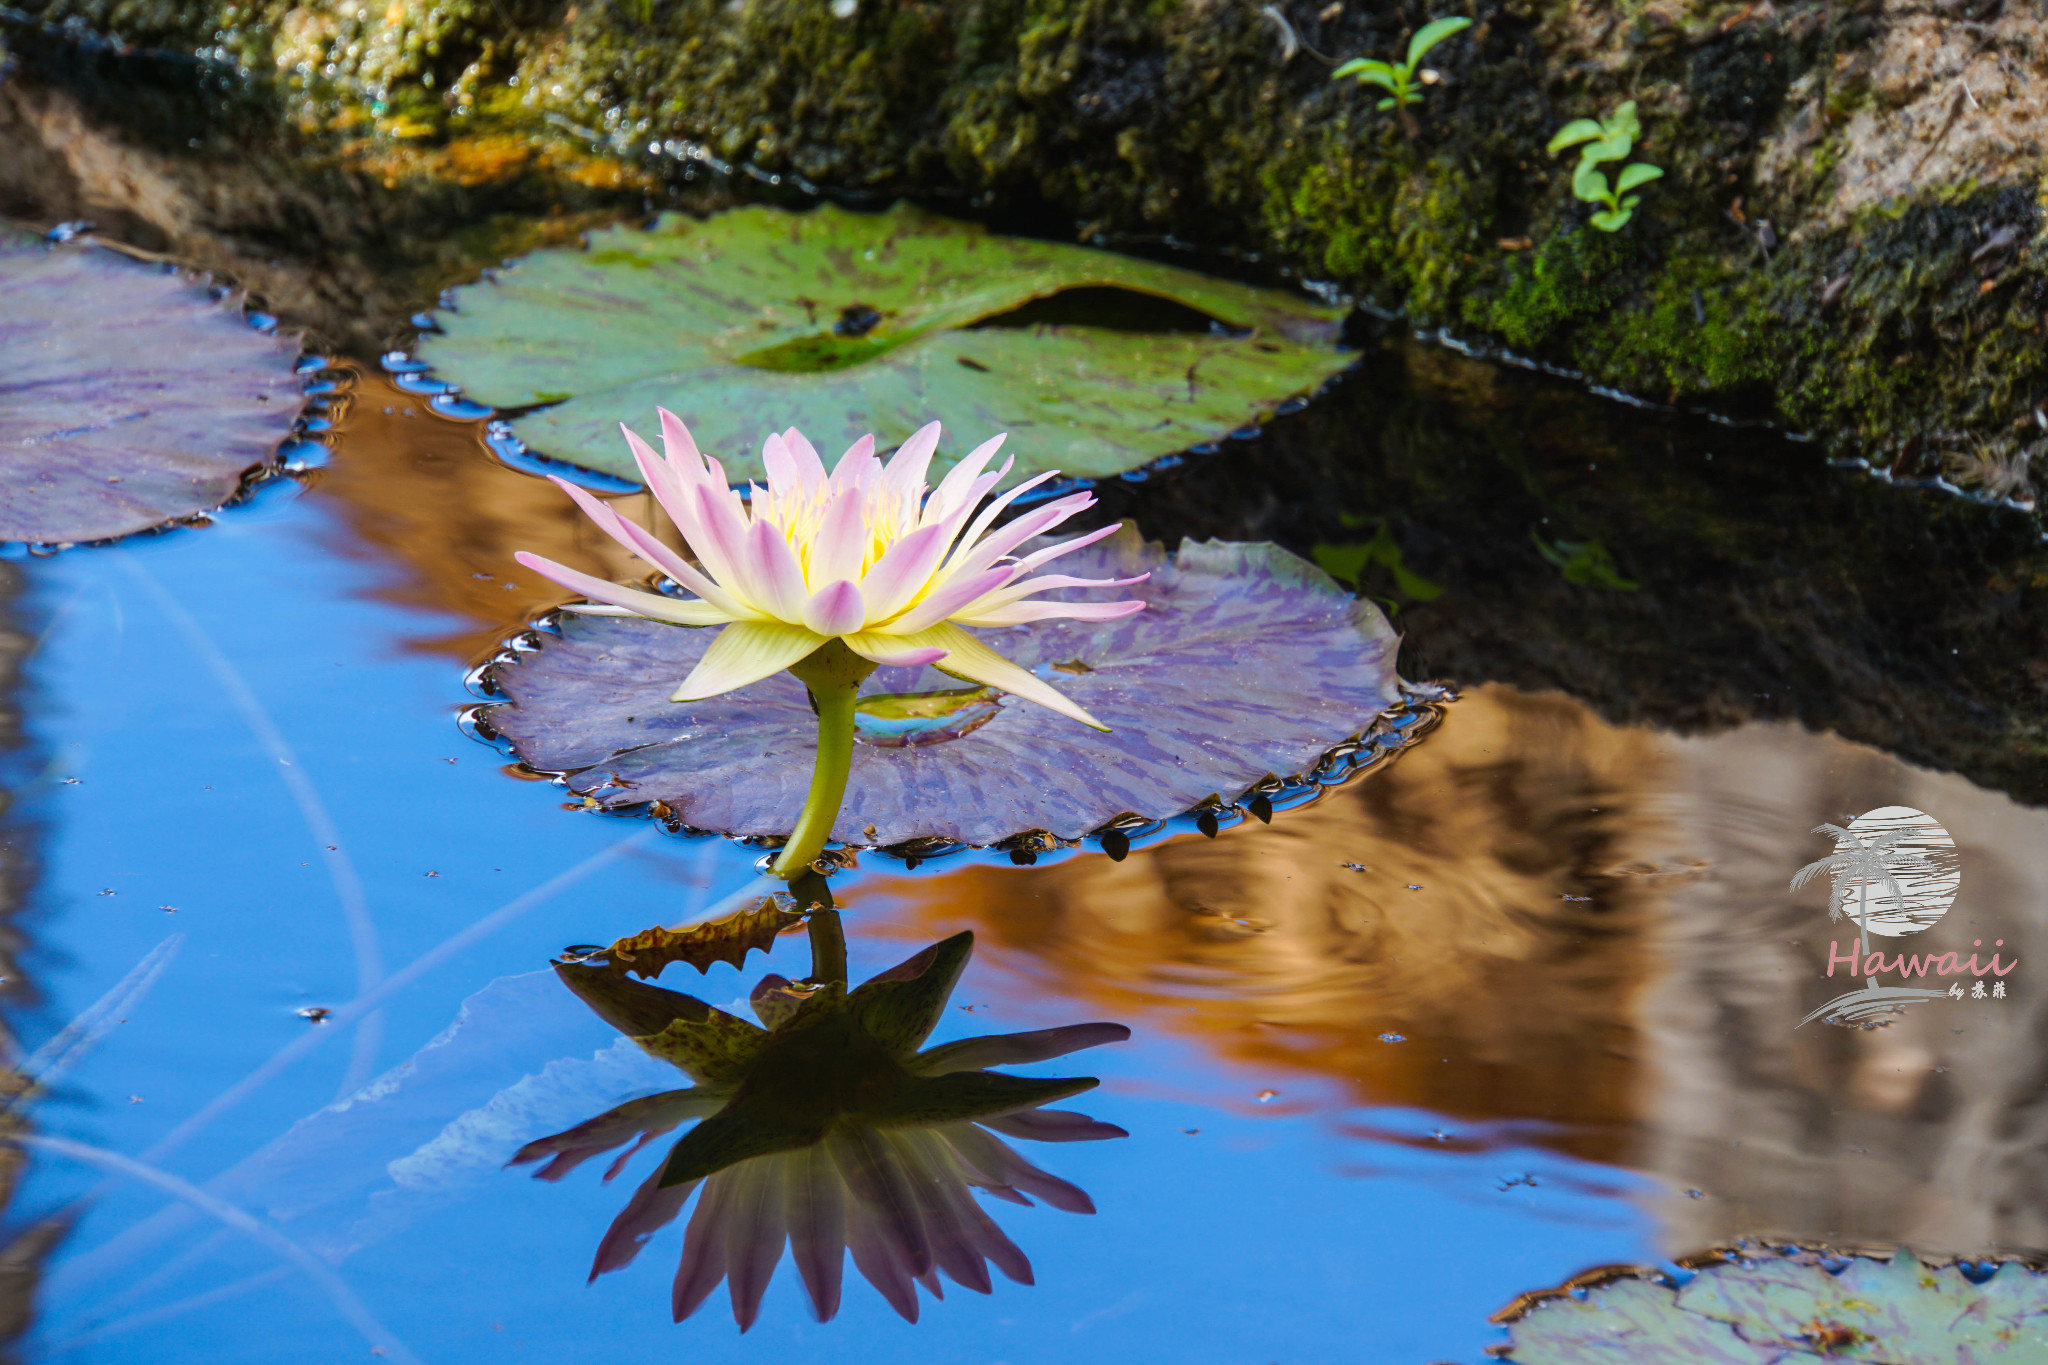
<point>1894,871</point>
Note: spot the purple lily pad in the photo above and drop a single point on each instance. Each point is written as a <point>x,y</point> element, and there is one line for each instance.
<point>130,397</point>
<point>1247,663</point>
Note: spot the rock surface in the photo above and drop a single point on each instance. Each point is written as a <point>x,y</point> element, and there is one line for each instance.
<point>1844,237</point>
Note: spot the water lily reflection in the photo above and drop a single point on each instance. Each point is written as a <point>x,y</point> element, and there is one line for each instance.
<point>829,1130</point>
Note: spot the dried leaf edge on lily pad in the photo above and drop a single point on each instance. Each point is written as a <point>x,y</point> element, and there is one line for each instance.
<point>1249,665</point>
<point>1770,1305</point>
<point>850,323</point>
<point>135,396</point>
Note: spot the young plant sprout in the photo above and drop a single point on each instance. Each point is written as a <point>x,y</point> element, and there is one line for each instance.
<point>1400,79</point>
<point>1602,140</point>
<point>831,575</point>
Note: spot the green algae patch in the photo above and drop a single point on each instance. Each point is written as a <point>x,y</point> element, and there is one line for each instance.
<point>842,324</point>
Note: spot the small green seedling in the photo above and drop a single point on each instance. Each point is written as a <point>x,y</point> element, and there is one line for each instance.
<point>1398,79</point>
<point>1587,563</point>
<point>1603,140</point>
<point>1348,563</point>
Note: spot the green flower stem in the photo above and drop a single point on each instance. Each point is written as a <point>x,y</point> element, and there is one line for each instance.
<point>833,673</point>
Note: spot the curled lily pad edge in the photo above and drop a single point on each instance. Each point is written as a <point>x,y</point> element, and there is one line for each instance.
<point>1421,709</point>
<point>296,454</point>
<point>1737,1253</point>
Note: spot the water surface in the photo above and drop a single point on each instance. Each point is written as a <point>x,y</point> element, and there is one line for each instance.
<point>1522,1002</point>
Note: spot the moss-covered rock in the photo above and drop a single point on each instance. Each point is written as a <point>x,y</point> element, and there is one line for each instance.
<point>1845,234</point>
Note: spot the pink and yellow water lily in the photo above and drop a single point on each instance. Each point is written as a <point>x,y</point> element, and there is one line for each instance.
<point>829,575</point>
<point>866,554</point>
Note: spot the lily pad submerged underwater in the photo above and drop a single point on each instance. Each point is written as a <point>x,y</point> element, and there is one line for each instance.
<point>130,397</point>
<point>1247,663</point>
<point>843,324</point>
<point>1795,1308</point>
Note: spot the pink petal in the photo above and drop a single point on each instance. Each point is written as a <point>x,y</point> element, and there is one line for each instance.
<point>988,515</point>
<point>649,1210</point>
<point>841,542</point>
<point>934,1179</point>
<point>703,1263</point>
<point>1039,558</point>
<point>1053,1125</point>
<point>890,650</point>
<point>908,466</point>
<point>653,606</point>
<point>745,652</point>
<point>939,606</point>
<point>605,516</point>
<point>952,490</point>
<point>1016,1049</point>
<point>991,1157</point>
<point>775,581</point>
<point>836,609</point>
<point>643,543</point>
<point>758,1230</point>
<point>902,571</point>
<point>780,464</point>
<point>1018,589</point>
<point>677,441</point>
<point>675,493</point>
<point>1023,613</point>
<point>855,468</point>
<point>720,538</point>
<point>816,1216</point>
<point>686,573</point>
<point>809,467</point>
<point>974,556</point>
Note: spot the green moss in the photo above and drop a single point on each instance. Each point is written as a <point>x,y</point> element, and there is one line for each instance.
<point>1573,277</point>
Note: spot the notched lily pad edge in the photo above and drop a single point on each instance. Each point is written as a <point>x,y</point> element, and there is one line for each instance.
<point>298,453</point>
<point>1827,1255</point>
<point>1421,709</point>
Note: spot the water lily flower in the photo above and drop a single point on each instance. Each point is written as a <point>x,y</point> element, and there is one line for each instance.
<point>829,1130</point>
<point>830,574</point>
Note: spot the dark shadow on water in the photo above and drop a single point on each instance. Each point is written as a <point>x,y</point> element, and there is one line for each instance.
<point>1666,569</point>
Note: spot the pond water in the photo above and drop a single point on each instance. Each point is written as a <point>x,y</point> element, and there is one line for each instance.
<point>1522,1001</point>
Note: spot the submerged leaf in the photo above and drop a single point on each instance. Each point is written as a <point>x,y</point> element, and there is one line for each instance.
<point>722,940</point>
<point>842,324</point>
<point>1769,1308</point>
<point>130,396</point>
<point>1247,662</point>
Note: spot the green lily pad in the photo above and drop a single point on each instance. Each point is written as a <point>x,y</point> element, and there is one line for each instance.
<point>1796,1308</point>
<point>842,324</point>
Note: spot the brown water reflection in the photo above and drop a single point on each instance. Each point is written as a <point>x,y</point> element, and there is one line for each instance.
<point>1600,939</point>
<point>427,492</point>
<point>1510,968</point>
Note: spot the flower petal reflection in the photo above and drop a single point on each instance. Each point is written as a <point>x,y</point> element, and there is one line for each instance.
<point>828,1132</point>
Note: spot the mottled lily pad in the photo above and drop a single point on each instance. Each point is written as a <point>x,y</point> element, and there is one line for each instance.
<point>842,324</point>
<point>129,395</point>
<point>1247,662</point>
<point>1787,1308</point>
